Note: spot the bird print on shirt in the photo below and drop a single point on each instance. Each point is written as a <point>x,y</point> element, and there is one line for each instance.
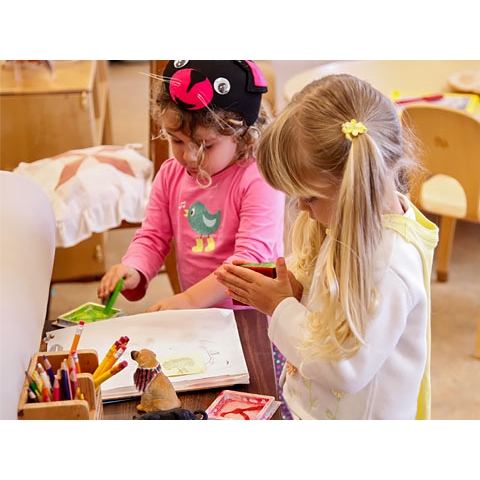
<point>205,224</point>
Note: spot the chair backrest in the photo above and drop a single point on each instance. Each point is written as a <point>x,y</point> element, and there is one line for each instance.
<point>27,249</point>
<point>450,143</point>
<point>158,148</point>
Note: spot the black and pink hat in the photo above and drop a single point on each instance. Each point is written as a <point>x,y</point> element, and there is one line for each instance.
<point>232,85</point>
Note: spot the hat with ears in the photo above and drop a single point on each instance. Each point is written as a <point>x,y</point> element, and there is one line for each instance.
<point>232,85</point>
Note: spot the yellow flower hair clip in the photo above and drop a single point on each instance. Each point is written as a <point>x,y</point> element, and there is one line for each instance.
<point>353,129</point>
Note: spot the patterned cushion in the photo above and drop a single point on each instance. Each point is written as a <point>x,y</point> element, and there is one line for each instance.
<point>92,189</point>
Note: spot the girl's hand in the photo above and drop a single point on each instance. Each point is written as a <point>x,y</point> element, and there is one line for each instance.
<point>253,288</point>
<point>175,302</point>
<point>297,287</point>
<point>110,279</point>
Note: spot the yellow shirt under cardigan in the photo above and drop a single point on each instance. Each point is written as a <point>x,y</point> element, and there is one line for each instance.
<point>425,241</point>
<point>384,380</point>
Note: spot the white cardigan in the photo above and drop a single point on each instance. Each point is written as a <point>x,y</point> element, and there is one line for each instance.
<point>382,381</point>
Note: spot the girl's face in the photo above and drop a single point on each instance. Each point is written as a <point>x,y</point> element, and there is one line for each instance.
<point>220,150</point>
<point>321,209</point>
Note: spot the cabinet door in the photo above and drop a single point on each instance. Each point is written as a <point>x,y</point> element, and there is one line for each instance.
<point>41,126</point>
<point>85,261</point>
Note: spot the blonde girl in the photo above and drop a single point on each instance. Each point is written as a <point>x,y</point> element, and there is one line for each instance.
<point>352,313</point>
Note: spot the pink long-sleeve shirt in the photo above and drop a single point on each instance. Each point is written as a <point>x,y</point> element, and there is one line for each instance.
<point>238,216</point>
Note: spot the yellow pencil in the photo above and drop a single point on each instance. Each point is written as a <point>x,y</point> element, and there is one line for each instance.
<point>113,359</point>
<point>113,371</point>
<point>111,352</point>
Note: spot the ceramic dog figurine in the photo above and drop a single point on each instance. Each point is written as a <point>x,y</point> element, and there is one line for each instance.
<point>157,390</point>
<point>173,414</point>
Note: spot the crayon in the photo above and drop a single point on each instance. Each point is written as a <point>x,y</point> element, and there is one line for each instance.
<point>48,368</point>
<point>46,394</point>
<point>38,381</point>
<point>56,390</point>
<point>33,385</point>
<point>43,375</point>
<point>71,363</point>
<point>73,382</point>
<point>65,381</point>
<point>31,395</point>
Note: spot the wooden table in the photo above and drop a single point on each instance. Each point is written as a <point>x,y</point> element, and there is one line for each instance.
<point>257,348</point>
<point>388,76</point>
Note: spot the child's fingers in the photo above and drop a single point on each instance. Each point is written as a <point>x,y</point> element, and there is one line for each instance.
<point>129,280</point>
<point>238,261</point>
<point>154,308</point>
<point>282,271</point>
<point>231,272</point>
<point>104,288</point>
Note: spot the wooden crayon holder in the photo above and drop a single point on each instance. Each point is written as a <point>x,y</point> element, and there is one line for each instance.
<point>89,409</point>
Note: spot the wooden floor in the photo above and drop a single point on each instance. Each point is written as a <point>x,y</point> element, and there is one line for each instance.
<point>455,304</point>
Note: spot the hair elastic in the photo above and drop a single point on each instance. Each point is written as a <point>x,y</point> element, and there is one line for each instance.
<point>352,129</point>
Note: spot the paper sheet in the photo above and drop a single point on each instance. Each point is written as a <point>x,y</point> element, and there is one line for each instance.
<point>170,334</point>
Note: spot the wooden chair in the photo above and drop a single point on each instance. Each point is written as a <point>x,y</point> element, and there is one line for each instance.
<point>159,152</point>
<point>450,185</point>
<point>477,342</point>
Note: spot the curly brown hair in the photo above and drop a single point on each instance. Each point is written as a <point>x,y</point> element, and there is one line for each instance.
<point>167,115</point>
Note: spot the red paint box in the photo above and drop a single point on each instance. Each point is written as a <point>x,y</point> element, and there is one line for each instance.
<point>232,405</point>
<point>268,269</point>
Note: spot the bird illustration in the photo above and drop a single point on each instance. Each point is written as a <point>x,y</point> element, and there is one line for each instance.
<point>204,223</point>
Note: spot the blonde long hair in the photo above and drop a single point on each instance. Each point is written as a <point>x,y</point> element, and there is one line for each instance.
<point>303,152</point>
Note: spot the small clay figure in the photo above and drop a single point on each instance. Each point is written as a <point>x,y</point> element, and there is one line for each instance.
<point>157,390</point>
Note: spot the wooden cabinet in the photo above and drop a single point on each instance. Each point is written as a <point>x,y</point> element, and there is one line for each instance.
<point>43,114</point>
